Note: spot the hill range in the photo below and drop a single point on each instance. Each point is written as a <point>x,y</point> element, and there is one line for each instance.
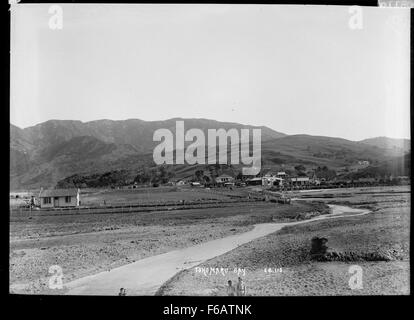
<point>48,152</point>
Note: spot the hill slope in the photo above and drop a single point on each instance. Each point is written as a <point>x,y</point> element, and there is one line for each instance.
<point>313,150</point>
<point>46,153</point>
<point>389,143</point>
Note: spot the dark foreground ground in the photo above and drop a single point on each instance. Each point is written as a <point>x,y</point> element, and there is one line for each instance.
<point>281,264</point>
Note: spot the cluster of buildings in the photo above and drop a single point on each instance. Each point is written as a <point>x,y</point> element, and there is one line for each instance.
<point>278,179</point>
<point>282,179</point>
<point>61,198</point>
<point>221,180</point>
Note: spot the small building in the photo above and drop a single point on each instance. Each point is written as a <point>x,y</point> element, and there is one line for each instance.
<point>313,179</point>
<point>271,180</point>
<point>300,181</point>
<point>403,179</point>
<point>254,181</point>
<point>180,181</point>
<point>224,178</point>
<point>281,174</point>
<point>59,198</point>
<point>21,195</point>
<point>229,184</point>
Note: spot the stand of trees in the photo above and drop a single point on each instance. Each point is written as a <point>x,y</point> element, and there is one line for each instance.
<point>325,173</point>
<point>117,178</point>
<point>97,180</point>
<point>157,175</point>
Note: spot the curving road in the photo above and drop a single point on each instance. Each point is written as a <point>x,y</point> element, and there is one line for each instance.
<point>145,276</point>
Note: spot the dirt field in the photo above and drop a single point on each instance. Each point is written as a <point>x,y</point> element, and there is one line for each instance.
<point>281,264</point>
<point>86,243</point>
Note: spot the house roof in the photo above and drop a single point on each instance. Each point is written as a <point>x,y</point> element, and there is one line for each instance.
<point>58,193</point>
<point>224,176</point>
<point>300,178</point>
<point>255,179</point>
<point>272,178</point>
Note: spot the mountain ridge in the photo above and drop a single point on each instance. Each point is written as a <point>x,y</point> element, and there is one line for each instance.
<point>43,154</point>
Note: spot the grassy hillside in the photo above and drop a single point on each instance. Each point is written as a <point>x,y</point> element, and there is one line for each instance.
<point>389,143</point>
<point>42,155</point>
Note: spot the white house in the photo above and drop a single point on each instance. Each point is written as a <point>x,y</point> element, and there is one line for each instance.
<point>271,180</point>
<point>300,180</point>
<point>254,181</point>
<point>59,198</point>
<point>224,178</point>
<point>180,183</point>
<point>281,174</point>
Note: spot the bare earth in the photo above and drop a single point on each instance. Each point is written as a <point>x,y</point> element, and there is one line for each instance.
<point>280,263</point>
<point>158,251</point>
<point>86,244</point>
<point>145,277</point>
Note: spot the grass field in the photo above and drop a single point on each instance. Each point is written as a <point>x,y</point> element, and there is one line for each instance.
<point>145,196</point>
<point>84,243</point>
<point>377,242</point>
<point>150,195</point>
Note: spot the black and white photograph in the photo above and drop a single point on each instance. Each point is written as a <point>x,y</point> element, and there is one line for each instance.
<point>209,150</point>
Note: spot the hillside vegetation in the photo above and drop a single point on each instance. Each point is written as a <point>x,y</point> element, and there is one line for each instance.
<point>43,155</point>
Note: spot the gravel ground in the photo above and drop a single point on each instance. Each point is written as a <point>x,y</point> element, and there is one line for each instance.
<point>87,244</point>
<point>378,278</point>
<point>383,233</point>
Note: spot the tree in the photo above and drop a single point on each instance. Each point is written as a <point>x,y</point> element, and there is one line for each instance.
<point>300,168</point>
<point>143,177</point>
<point>325,172</point>
<point>199,175</point>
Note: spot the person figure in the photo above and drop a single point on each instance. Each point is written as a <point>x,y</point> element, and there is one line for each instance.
<point>121,292</point>
<point>231,291</point>
<point>241,287</point>
<point>32,202</point>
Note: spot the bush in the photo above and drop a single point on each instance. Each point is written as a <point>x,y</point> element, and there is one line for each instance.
<point>318,248</point>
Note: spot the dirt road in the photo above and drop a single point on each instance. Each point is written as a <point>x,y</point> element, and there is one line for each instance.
<point>145,276</point>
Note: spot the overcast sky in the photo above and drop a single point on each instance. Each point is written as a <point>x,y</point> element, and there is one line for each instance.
<point>295,69</point>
